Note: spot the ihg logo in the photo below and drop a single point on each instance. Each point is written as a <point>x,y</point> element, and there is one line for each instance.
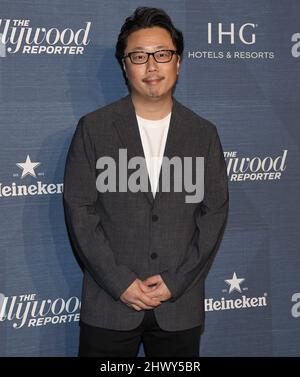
<point>244,33</point>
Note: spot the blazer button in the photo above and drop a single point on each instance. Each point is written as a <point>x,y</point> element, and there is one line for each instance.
<point>154,255</point>
<point>154,217</point>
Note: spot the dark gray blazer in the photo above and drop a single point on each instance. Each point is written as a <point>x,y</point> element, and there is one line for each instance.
<point>120,236</point>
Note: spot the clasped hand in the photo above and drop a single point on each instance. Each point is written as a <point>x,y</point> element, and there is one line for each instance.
<point>146,294</point>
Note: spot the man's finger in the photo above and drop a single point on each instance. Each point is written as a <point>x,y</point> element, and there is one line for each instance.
<point>137,308</point>
<point>149,300</point>
<point>141,304</point>
<point>154,294</point>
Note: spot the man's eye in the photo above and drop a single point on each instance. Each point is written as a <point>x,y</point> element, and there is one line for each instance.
<point>139,57</point>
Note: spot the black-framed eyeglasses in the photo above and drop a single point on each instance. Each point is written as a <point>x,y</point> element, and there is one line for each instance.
<point>141,57</point>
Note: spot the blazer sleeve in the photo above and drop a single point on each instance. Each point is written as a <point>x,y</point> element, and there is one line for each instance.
<point>210,219</point>
<point>82,219</point>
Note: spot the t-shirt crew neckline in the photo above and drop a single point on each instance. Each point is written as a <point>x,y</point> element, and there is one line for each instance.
<point>156,122</point>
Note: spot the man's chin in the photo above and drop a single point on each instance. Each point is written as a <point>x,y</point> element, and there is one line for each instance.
<point>155,95</point>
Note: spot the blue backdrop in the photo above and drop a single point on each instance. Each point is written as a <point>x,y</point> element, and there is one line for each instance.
<point>241,71</point>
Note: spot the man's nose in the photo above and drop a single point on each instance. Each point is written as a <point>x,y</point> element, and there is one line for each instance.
<point>152,65</point>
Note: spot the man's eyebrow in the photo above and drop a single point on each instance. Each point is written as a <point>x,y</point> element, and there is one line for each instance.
<point>144,48</point>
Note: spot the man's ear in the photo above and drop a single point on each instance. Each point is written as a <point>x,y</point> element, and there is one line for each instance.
<point>124,67</point>
<point>178,64</point>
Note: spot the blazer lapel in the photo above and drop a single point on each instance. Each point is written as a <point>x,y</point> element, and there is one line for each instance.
<point>128,130</point>
<point>174,143</point>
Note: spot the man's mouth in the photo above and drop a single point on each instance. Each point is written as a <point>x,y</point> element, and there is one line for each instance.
<point>153,81</point>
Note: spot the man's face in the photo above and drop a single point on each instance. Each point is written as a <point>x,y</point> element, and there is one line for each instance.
<point>151,80</point>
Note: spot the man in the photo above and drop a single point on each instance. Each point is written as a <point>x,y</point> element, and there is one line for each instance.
<point>145,252</point>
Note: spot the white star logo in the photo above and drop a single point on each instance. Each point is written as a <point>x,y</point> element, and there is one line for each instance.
<point>234,283</point>
<point>28,167</point>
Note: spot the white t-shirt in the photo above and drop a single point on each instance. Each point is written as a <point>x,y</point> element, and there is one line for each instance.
<point>154,135</point>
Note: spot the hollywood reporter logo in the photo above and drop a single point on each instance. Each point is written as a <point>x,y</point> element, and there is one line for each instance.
<point>255,168</point>
<point>27,310</point>
<point>18,36</point>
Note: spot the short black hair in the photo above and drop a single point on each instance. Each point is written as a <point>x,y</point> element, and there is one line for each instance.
<point>142,18</point>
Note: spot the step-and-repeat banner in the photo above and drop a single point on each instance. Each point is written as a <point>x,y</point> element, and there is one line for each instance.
<point>241,71</point>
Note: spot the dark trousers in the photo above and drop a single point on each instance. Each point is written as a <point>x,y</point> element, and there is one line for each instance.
<point>100,342</point>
